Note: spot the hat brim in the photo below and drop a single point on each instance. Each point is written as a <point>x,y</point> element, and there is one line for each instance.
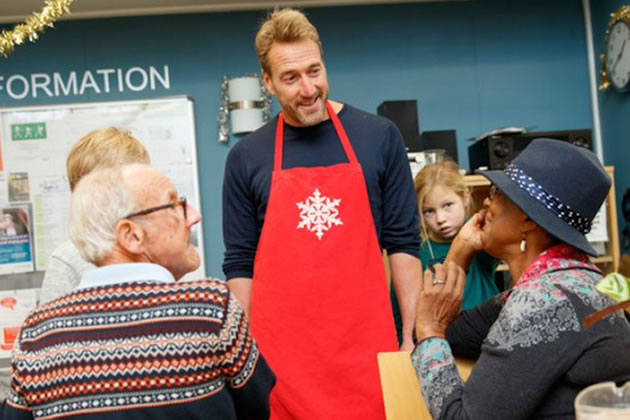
<point>537,212</point>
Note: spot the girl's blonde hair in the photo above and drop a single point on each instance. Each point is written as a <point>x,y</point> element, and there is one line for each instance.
<point>103,148</point>
<point>445,173</point>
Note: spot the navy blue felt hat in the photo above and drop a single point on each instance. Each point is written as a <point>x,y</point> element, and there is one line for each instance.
<point>559,186</point>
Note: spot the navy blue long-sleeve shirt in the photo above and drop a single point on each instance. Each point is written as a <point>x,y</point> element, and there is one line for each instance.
<point>379,148</point>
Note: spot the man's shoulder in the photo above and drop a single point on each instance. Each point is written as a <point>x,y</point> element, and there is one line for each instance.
<point>352,114</point>
<point>211,285</point>
<point>251,154</point>
<point>373,130</point>
<point>211,292</point>
<point>205,289</point>
<point>257,140</point>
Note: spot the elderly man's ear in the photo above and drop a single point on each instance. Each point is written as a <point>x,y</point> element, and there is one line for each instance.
<point>130,236</point>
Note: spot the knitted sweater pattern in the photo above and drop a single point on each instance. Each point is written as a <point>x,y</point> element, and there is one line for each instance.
<point>131,346</point>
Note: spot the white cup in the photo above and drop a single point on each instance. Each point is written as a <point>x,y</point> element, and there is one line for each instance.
<point>434,155</point>
<point>603,401</point>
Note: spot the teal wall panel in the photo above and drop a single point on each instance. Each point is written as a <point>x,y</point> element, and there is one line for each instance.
<point>472,66</point>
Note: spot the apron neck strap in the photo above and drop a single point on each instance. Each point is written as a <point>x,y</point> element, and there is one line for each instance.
<point>345,142</point>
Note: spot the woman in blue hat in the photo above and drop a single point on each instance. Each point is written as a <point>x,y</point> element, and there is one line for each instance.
<point>535,356</point>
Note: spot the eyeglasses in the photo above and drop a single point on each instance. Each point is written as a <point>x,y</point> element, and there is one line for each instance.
<point>181,202</point>
<point>492,193</point>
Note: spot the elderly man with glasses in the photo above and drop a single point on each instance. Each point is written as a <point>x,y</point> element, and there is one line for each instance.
<point>130,341</point>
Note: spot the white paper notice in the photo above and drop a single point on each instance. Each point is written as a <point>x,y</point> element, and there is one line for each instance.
<point>599,231</point>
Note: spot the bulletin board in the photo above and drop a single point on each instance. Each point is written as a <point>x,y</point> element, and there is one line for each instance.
<point>34,191</point>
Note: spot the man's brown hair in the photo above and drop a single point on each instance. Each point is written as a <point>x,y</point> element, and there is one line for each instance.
<point>283,25</point>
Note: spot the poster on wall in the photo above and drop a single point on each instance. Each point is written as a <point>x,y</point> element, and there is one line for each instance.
<point>15,240</point>
<point>1,158</point>
<point>15,305</point>
<point>18,187</point>
<point>36,142</point>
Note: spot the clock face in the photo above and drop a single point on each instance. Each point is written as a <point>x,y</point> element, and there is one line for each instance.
<point>618,55</point>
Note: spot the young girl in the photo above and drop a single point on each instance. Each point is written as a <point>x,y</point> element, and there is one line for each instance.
<point>444,203</point>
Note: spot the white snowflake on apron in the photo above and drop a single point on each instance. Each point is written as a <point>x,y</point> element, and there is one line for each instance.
<point>319,213</point>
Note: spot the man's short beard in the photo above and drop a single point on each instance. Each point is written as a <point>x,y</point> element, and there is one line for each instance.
<point>309,120</point>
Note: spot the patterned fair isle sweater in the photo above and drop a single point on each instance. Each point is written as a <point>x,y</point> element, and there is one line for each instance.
<point>536,357</point>
<point>139,350</point>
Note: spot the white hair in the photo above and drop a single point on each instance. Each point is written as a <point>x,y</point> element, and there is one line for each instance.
<point>98,202</point>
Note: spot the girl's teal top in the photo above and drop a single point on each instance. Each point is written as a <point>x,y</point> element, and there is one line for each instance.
<point>480,285</point>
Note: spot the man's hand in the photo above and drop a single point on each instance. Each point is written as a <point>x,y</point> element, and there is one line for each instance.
<point>241,287</point>
<point>406,276</point>
<point>407,344</point>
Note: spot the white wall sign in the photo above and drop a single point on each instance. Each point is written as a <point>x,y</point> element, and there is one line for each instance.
<point>99,81</point>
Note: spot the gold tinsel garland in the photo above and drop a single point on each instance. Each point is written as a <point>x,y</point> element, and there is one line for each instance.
<point>623,13</point>
<point>33,25</point>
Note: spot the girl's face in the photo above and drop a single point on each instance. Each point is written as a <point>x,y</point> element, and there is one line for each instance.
<point>443,213</point>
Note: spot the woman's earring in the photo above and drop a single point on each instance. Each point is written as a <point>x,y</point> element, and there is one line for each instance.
<point>523,244</point>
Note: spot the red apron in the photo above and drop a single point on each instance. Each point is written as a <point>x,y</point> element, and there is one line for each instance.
<point>320,310</point>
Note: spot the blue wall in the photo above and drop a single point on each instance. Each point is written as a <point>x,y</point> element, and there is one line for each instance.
<point>473,66</point>
<point>614,110</point>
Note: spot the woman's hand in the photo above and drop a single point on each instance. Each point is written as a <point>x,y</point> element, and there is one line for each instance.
<point>470,234</point>
<point>440,300</point>
<point>467,242</point>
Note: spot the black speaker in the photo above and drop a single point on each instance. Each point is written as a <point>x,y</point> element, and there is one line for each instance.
<point>440,139</point>
<point>405,115</point>
<point>496,152</point>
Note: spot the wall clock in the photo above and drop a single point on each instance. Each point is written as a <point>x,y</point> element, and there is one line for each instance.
<point>616,56</point>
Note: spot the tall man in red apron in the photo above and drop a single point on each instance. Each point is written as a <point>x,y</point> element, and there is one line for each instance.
<point>301,197</point>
